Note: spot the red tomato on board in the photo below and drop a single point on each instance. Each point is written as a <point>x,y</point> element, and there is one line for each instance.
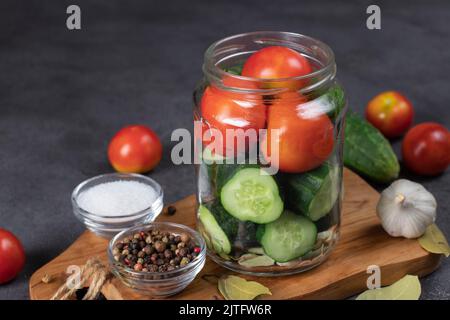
<point>135,149</point>
<point>223,109</point>
<point>391,113</point>
<point>12,256</point>
<point>277,62</point>
<point>306,137</point>
<point>426,149</point>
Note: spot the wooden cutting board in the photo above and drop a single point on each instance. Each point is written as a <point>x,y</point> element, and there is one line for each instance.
<point>363,243</point>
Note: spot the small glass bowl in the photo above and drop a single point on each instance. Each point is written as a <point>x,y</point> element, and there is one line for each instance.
<point>158,284</point>
<point>108,226</point>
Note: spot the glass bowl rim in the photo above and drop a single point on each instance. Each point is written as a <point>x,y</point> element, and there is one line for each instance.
<point>125,271</point>
<point>117,177</point>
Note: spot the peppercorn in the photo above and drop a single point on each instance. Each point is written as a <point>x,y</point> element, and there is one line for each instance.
<point>148,250</point>
<point>153,268</point>
<point>160,246</point>
<point>168,254</point>
<point>155,251</point>
<point>160,262</point>
<point>171,210</point>
<point>183,252</point>
<point>184,262</point>
<point>185,237</point>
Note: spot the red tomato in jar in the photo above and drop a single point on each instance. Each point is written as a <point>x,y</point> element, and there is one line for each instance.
<point>391,113</point>
<point>306,136</point>
<point>223,109</point>
<point>135,149</point>
<point>12,256</point>
<point>277,62</point>
<point>426,149</point>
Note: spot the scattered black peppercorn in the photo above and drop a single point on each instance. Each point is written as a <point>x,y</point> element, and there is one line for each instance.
<point>171,210</point>
<point>155,251</point>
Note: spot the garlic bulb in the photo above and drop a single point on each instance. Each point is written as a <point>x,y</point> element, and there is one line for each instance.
<point>406,209</point>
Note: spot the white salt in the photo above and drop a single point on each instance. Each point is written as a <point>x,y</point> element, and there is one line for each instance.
<point>117,198</point>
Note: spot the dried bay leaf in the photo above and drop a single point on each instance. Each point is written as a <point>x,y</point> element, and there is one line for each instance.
<point>237,288</point>
<point>256,250</point>
<point>433,240</point>
<point>407,288</point>
<point>255,260</point>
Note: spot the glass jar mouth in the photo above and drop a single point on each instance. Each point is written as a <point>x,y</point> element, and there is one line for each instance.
<point>233,47</point>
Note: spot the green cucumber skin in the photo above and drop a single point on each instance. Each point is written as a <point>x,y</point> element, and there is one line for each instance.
<point>367,151</point>
<point>228,223</point>
<point>239,233</point>
<point>220,242</point>
<point>225,172</point>
<point>302,188</point>
<point>271,240</point>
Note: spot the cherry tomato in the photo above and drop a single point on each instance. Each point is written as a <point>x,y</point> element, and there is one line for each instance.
<point>426,149</point>
<point>222,110</point>
<point>277,62</point>
<point>12,256</point>
<point>391,113</point>
<point>135,149</point>
<point>306,137</point>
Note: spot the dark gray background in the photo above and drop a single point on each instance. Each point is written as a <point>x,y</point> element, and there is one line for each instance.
<point>63,94</point>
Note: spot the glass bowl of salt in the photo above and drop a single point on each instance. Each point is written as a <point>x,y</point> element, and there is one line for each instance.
<point>110,203</point>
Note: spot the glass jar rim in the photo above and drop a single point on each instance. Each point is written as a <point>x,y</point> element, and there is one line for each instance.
<point>325,73</point>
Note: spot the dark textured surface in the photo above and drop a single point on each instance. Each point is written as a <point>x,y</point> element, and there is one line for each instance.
<point>64,93</point>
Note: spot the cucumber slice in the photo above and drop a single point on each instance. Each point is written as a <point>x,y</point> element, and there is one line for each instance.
<point>217,237</point>
<point>289,237</point>
<point>251,195</point>
<point>315,192</point>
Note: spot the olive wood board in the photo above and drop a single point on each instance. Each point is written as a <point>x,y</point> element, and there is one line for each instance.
<point>363,243</point>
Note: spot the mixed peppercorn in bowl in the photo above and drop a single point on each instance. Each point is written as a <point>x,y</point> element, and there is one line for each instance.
<point>158,259</point>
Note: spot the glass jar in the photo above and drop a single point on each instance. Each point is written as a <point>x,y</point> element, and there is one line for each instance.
<point>269,156</point>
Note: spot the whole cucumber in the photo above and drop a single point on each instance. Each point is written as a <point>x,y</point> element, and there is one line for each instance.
<point>367,151</point>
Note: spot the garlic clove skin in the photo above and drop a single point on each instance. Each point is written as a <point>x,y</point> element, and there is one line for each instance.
<point>406,209</point>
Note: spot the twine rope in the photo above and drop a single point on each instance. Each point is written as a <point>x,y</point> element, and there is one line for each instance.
<point>94,270</point>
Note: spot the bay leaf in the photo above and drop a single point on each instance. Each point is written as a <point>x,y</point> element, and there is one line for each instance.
<point>433,240</point>
<point>255,260</point>
<point>407,288</point>
<point>237,288</point>
<point>256,250</point>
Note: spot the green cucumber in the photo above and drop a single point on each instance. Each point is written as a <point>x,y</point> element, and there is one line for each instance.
<point>216,236</point>
<point>251,195</point>
<point>313,193</point>
<point>289,237</point>
<point>367,151</point>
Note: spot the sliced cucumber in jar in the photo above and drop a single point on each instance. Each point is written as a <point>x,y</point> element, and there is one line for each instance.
<point>217,237</point>
<point>251,195</point>
<point>289,237</point>
<point>315,192</point>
